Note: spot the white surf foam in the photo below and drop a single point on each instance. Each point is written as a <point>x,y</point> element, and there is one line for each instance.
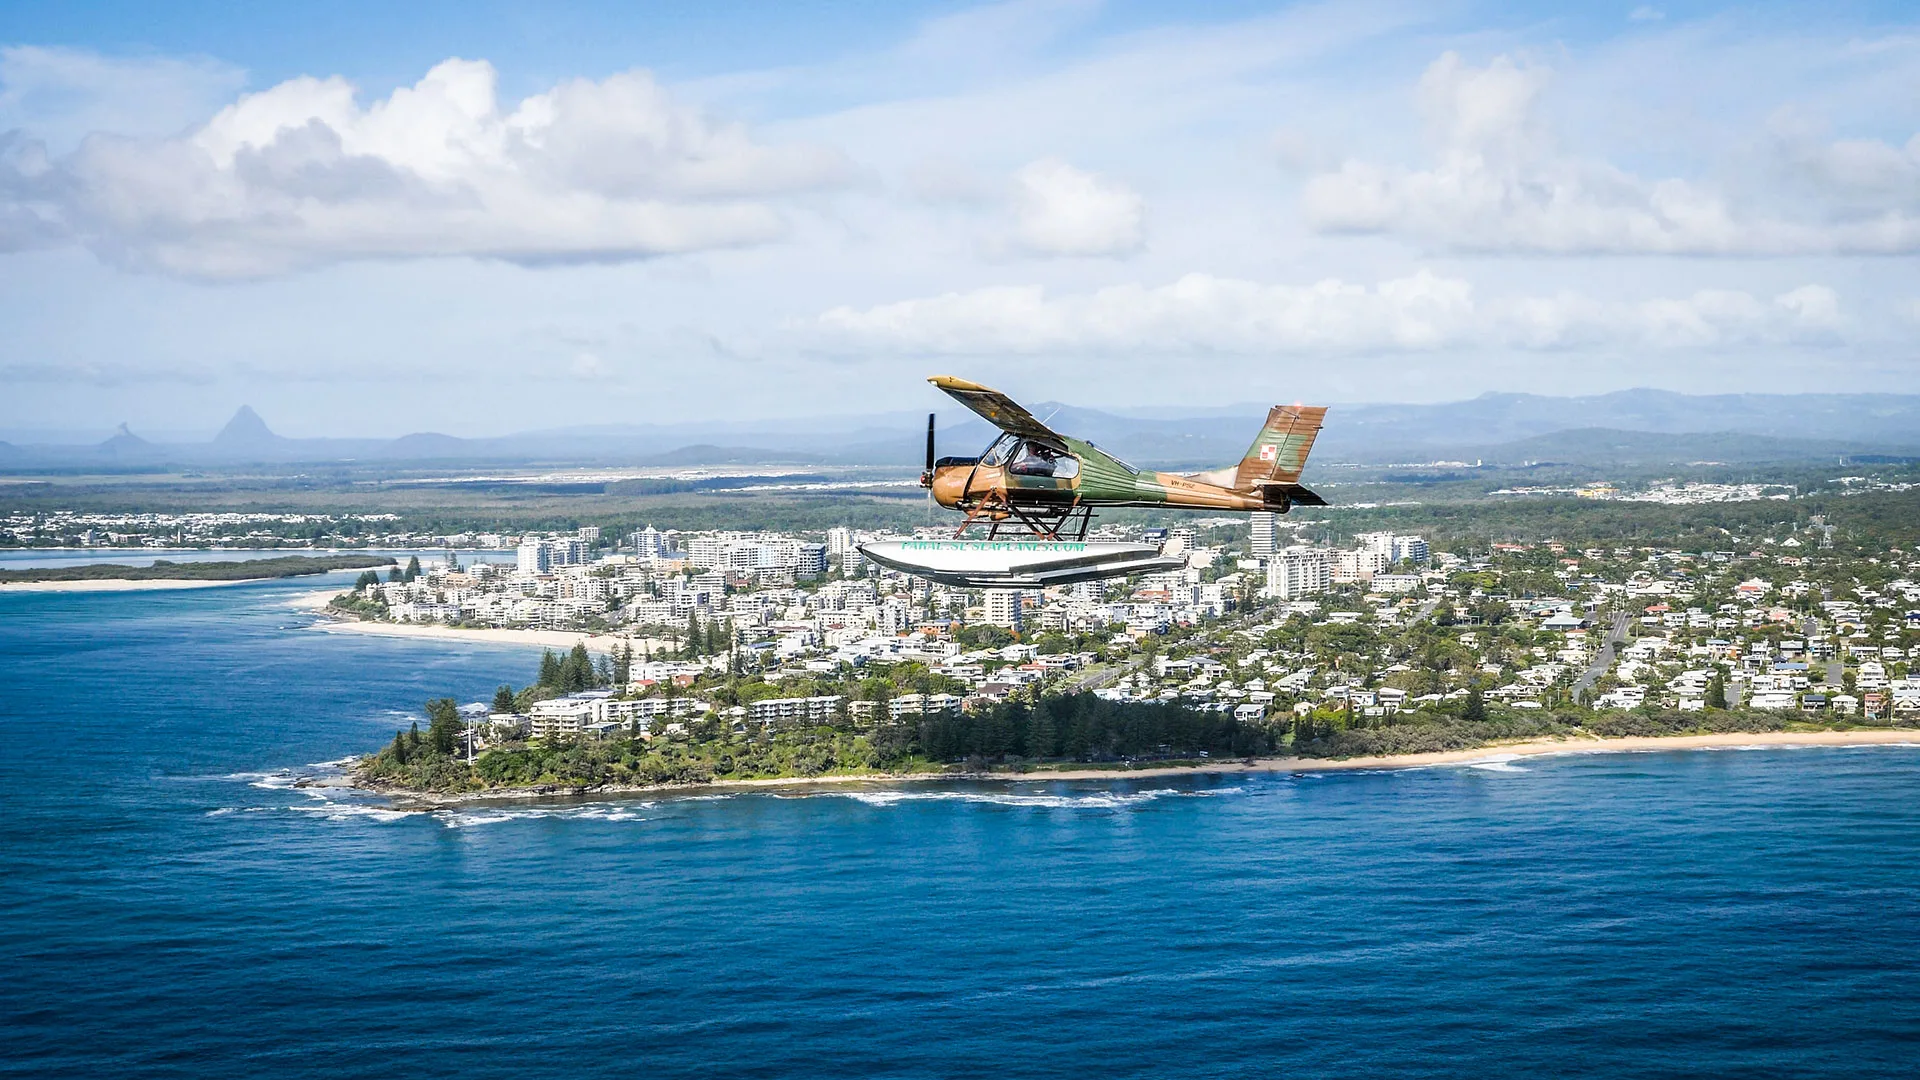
<point>1497,763</point>
<point>496,815</point>
<point>335,811</point>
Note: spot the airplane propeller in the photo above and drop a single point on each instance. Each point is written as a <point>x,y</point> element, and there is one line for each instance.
<point>926,475</point>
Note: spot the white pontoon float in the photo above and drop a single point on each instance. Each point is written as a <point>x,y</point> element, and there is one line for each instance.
<point>1018,564</point>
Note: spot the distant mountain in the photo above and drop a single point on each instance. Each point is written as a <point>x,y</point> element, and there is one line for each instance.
<point>246,429</point>
<point>1368,432</point>
<point>124,443</point>
<point>1800,425</point>
<point>426,444</point>
<point>1605,446</point>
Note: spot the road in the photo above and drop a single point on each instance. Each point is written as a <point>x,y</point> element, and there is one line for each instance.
<point>1105,676</point>
<point>1603,659</point>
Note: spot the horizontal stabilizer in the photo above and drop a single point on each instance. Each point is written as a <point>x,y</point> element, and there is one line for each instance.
<point>1294,494</point>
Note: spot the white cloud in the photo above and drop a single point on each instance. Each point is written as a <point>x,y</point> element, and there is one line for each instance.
<point>302,174</point>
<point>1498,183</point>
<point>62,95</point>
<point>1200,313</point>
<point>1061,210</point>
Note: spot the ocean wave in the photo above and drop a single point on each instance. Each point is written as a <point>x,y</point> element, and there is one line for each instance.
<point>341,811</point>
<point>281,780</point>
<point>496,815</point>
<point>1496,763</point>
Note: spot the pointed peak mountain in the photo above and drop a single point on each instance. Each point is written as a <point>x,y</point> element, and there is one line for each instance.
<point>246,429</point>
<point>124,440</point>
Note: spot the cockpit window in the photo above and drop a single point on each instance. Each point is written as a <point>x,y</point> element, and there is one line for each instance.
<point>997,453</point>
<point>1039,459</point>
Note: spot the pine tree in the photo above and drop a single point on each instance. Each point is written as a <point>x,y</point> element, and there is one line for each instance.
<point>1717,690</point>
<point>549,669</point>
<point>693,635</point>
<point>623,664</point>
<point>400,747</point>
<point>503,699</point>
<point>413,568</point>
<point>603,672</point>
<point>443,725</point>
<point>413,736</point>
<point>1042,734</point>
<point>1476,709</point>
<point>576,671</point>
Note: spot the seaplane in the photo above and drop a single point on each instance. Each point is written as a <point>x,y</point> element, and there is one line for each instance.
<point>1034,492</point>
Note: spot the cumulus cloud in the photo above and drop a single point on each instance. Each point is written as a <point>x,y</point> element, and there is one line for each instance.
<point>1200,313</point>
<point>1499,183</point>
<point>1061,210</point>
<point>303,174</point>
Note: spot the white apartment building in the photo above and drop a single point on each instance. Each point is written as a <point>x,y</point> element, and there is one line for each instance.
<point>1263,533</point>
<point>1394,547</point>
<point>1352,566</point>
<point>650,541</point>
<point>790,710</point>
<point>1298,571</point>
<point>1004,607</point>
<point>534,557</point>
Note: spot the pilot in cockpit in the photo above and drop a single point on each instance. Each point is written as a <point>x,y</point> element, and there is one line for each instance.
<point>1034,459</point>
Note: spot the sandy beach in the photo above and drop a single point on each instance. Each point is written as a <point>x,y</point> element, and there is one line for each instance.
<point>548,639</point>
<point>1532,748</point>
<point>1497,753</point>
<point>118,585</point>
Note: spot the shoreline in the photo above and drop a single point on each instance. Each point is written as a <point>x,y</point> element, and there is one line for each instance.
<point>316,602</point>
<point>122,584</point>
<point>1490,754</point>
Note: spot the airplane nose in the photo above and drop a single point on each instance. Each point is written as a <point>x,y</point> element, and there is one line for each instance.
<point>947,485</point>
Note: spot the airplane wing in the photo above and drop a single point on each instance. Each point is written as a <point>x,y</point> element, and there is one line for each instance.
<point>995,408</point>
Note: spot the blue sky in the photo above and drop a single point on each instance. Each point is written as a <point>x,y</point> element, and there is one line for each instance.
<point>478,218</point>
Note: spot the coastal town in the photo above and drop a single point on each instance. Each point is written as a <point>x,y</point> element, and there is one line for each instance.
<point>1258,624</point>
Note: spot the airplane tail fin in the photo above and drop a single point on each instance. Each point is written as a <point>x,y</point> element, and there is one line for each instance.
<point>1280,451</point>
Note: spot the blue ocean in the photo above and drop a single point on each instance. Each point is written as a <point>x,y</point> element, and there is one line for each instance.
<point>171,904</point>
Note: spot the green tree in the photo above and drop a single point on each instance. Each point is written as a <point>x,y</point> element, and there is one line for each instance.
<point>549,670</point>
<point>576,671</point>
<point>400,747</point>
<point>413,568</point>
<point>443,725</point>
<point>503,699</point>
<point>1717,690</point>
<point>366,578</point>
<point>1042,734</point>
<point>623,664</point>
<point>692,647</point>
<point>1476,709</point>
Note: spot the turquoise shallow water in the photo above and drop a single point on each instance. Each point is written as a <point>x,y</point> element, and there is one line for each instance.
<point>169,905</point>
